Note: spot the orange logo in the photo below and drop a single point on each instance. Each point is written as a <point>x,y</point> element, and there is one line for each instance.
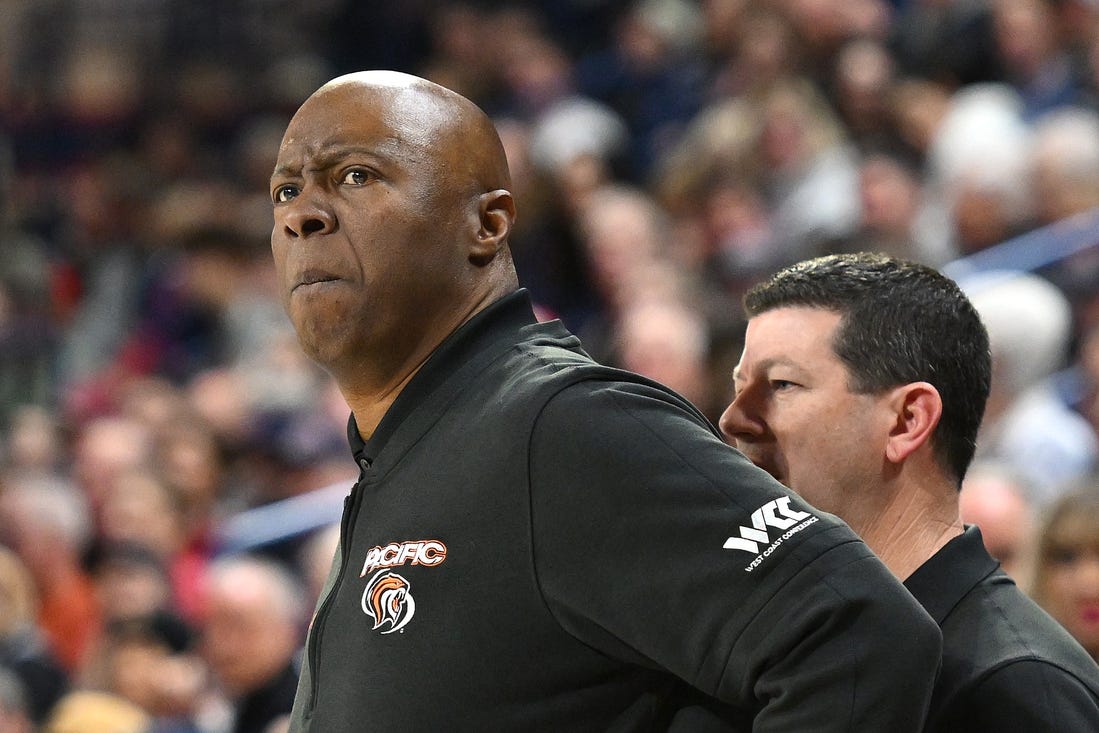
<point>416,552</point>
<point>388,600</point>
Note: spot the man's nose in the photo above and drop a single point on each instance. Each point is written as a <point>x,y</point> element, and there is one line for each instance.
<point>738,422</point>
<point>305,217</point>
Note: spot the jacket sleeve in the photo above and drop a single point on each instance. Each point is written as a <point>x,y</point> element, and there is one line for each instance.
<point>659,545</point>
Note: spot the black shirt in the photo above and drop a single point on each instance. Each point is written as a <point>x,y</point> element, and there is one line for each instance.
<point>1007,665</point>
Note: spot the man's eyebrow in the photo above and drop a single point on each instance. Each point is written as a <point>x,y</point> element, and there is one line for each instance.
<point>766,365</point>
<point>282,170</point>
<point>329,157</point>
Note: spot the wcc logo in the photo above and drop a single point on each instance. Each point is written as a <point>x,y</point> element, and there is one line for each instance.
<point>775,514</point>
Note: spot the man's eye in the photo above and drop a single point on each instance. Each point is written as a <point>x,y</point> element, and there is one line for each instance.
<point>356,177</point>
<point>779,385</point>
<point>284,193</point>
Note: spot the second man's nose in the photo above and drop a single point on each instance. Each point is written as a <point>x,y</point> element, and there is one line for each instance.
<point>736,423</point>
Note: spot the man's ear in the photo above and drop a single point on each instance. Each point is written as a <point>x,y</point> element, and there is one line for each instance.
<point>917,408</point>
<point>495,217</point>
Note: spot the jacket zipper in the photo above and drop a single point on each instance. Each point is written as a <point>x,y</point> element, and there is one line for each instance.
<point>350,512</point>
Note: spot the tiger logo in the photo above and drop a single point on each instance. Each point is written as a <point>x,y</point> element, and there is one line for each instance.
<point>388,600</point>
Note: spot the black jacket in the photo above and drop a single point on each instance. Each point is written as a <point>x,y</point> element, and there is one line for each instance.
<point>541,543</point>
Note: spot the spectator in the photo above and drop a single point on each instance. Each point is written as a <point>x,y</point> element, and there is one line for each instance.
<point>623,232</point>
<point>24,650</point>
<point>46,521</point>
<point>918,109</point>
<point>1027,425</point>
<point>1086,399</point>
<point>131,581</point>
<point>252,634</point>
<point>651,74</point>
<point>1065,162</point>
<point>34,444</point>
<point>946,42</point>
<point>1033,57</point>
<point>893,212</point>
<point>104,448</point>
<point>809,170</point>
<point>759,49</point>
<point>977,168</point>
<point>667,341</point>
<point>141,509</point>
<point>1066,573</point>
<point>863,80</point>
<point>29,331</point>
<point>315,558</point>
<point>15,715</point>
<point>996,500</point>
<point>150,661</point>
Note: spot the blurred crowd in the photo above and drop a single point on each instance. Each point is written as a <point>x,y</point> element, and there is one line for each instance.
<point>666,154</point>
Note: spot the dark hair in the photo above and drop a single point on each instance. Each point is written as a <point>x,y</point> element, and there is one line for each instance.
<point>900,322</point>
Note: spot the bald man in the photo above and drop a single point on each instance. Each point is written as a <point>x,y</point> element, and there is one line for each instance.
<point>537,542</point>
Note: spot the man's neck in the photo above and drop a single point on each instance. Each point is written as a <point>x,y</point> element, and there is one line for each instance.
<point>913,526</point>
<point>370,387</point>
<point>370,407</point>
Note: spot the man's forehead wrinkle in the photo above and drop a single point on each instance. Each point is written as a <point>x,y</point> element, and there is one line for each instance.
<point>321,154</point>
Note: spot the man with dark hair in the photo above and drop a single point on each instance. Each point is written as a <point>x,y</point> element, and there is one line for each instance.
<point>537,542</point>
<point>861,387</point>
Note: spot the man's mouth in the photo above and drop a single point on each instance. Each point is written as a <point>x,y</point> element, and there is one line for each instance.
<point>312,277</point>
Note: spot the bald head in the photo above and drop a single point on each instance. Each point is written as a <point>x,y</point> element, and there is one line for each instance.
<point>442,123</point>
<point>391,224</point>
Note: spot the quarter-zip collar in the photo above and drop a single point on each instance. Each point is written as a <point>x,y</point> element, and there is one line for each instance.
<point>467,350</point>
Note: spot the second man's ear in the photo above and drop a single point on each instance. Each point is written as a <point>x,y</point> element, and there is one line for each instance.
<point>496,215</point>
<point>918,407</point>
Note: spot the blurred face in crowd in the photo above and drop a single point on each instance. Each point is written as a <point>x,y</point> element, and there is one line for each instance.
<point>1067,575</point>
<point>250,632</point>
<point>995,502</point>
<point>150,675</point>
<point>18,602</point>
<point>794,415</point>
